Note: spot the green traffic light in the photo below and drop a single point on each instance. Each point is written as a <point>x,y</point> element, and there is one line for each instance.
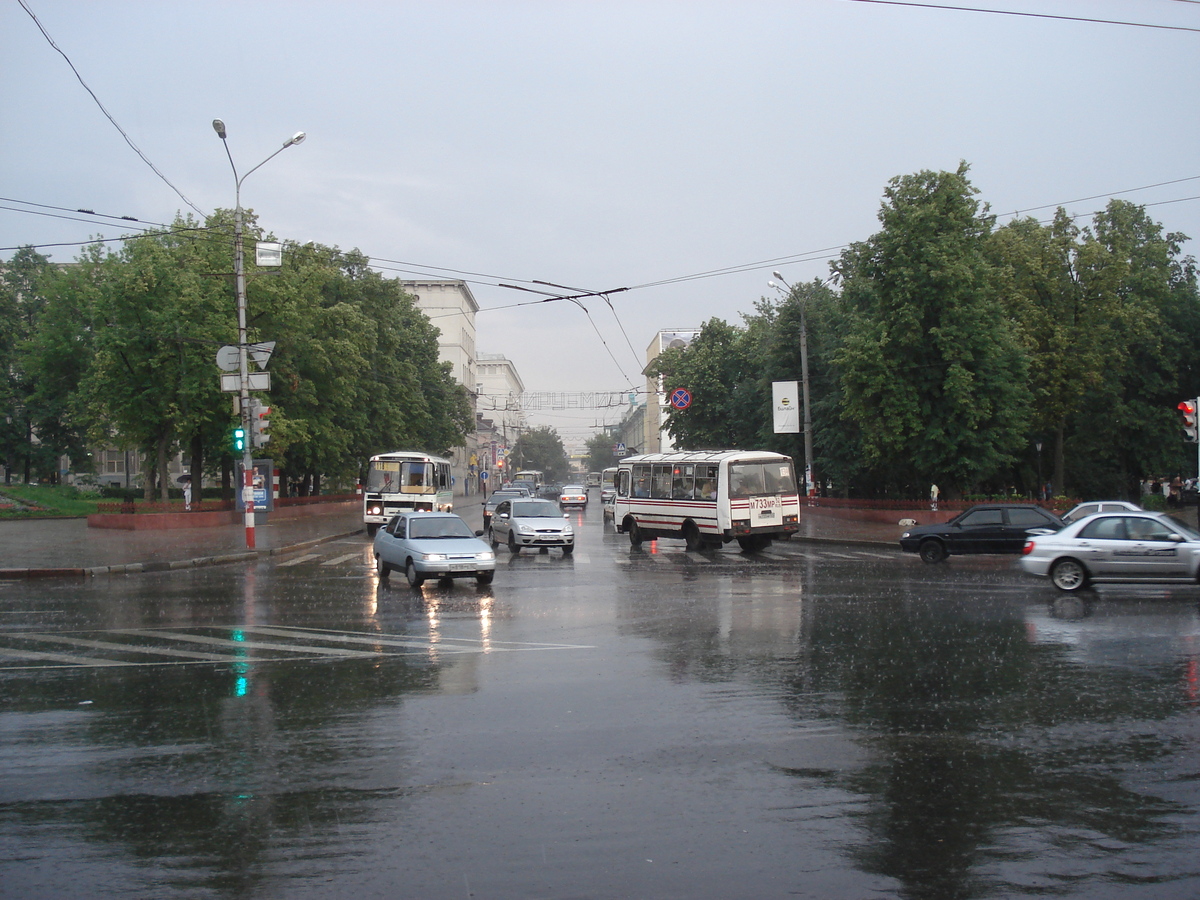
<point>239,439</point>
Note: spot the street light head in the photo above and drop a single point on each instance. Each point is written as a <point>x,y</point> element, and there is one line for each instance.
<point>777,275</point>
<point>219,128</point>
<point>771,284</point>
<point>297,138</point>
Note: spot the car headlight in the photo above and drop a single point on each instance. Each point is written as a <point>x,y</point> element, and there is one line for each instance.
<point>433,557</point>
<point>486,554</point>
<point>568,531</point>
<point>525,529</point>
<point>904,535</point>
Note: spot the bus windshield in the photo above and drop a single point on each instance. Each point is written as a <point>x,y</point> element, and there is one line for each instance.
<point>407,477</point>
<point>752,479</point>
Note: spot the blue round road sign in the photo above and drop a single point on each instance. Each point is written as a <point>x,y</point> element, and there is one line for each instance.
<point>681,399</point>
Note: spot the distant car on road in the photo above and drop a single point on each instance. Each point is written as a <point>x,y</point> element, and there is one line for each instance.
<point>1123,547</point>
<point>573,495</point>
<point>987,528</point>
<point>531,523</point>
<point>432,545</point>
<point>1092,507</point>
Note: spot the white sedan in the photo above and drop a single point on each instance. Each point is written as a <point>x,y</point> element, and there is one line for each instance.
<point>1116,548</point>
<point>432,545</point>
<point>531,523</point>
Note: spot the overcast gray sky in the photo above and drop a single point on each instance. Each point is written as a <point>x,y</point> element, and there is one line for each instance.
<point>598,145</point>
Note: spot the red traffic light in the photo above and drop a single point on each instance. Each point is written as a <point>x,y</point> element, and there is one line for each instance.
<point>1187,407</point>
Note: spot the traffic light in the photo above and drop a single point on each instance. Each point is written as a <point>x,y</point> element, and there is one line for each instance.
<point>259,423</point>
<point>1187,414</point>
<point>239,440</point>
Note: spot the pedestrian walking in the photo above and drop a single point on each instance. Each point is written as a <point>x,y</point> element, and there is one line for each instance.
<point>934,493</point>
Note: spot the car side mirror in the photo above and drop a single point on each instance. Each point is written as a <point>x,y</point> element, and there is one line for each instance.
<point>1177,538</point>
<point>566,515</point>
<point>479,533</point>
<point>504,515</point>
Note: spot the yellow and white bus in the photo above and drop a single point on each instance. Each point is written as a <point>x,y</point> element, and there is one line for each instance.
<point>708,498</point>
<point>405,480</point>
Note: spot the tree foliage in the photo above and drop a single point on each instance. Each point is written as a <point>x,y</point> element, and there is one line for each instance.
<point>121,348</point>
<point>953,349</point>
<point>541,449</point>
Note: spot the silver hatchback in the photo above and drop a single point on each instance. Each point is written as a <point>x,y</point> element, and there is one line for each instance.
<point>1115,548</point>
<point>530,523</point>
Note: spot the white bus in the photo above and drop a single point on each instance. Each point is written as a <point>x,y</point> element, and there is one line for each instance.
<point>534,475</point>
<point>708,498</point>
<point>405,480</point>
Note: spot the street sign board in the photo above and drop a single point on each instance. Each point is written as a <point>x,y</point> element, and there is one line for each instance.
<point>681,399</point>
<point>227,359</point>
<point>261,353</point>
<point>259,381</point>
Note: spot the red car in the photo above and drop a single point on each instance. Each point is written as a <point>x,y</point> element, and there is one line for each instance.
<point>573,495</point>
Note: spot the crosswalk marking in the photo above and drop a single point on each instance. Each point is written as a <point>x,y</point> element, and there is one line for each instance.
<point>163,646</point>
<point>338,560</point>
<point>299,559</point>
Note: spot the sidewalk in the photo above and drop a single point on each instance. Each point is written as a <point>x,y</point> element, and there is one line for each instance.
<point>69,548</point>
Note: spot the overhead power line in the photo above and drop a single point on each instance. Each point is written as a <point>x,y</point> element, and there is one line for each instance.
<point>1028,15</point>
<point>107,114</point>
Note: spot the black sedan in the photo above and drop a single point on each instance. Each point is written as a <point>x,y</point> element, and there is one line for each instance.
<point>988,528</point>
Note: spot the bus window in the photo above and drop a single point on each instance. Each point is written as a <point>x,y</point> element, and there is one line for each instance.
<point>746,480</point>
<point>706,482</point>
<point>779,478</point>
<point>641,481</point>
<point>682,482</point>
<point>660,484</point>
<point>623,483</point>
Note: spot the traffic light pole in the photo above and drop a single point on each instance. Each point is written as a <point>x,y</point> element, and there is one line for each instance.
<point>239,274</point>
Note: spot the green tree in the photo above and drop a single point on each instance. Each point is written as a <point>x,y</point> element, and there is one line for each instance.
<point>933,374</point>
<point>599,452</point>
<point>542,449</point>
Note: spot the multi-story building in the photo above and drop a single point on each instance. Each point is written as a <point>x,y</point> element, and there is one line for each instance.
<point>499,393</point>
<point>656,439</point>
<point>452,308</point>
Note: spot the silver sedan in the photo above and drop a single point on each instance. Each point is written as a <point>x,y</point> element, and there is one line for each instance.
<point>1116,548</point>
<point>432,545</point>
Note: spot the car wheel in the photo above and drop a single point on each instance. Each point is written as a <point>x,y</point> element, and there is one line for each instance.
<point>932,551</point>
<point>492,539</point>
<point>415,578</point>
<point>513,547</point>
<point>568,549</point>
<point>381,568</point>
<point>1068,575</point>
<point>484,577</point>
<point>635,533</point>
<point>692,538</point>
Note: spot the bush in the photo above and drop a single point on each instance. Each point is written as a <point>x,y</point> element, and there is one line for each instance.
<point>1154,502</point>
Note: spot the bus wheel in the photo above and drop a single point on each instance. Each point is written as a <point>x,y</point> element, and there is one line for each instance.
<point>692,537</point>
<point>754,542</point>
<point>635,533</point>
<point>371,529</point>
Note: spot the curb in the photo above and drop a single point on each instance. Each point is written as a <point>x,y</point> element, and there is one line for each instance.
<point>167,566</point>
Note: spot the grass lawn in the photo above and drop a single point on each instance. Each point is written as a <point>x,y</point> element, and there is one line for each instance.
<point>45,500</point>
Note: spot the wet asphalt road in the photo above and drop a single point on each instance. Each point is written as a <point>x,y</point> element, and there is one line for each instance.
<point>816,721</point>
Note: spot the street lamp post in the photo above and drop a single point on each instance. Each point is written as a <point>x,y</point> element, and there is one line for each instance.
<point>239,275</point>
<point>808,450</point>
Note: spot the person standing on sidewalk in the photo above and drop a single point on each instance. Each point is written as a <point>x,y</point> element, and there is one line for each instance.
<point>934,493</point>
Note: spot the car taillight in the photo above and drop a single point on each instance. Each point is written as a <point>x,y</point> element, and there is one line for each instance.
<point>1028,548</point>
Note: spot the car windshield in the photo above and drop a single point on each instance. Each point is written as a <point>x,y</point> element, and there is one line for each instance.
<point>438,527</point>
<point>501,496</point>
<point>1186,530</point>
<point>535,509</point>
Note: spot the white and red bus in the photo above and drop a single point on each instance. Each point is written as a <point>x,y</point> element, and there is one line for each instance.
<point>403,480</point>
<point>708,497</point>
